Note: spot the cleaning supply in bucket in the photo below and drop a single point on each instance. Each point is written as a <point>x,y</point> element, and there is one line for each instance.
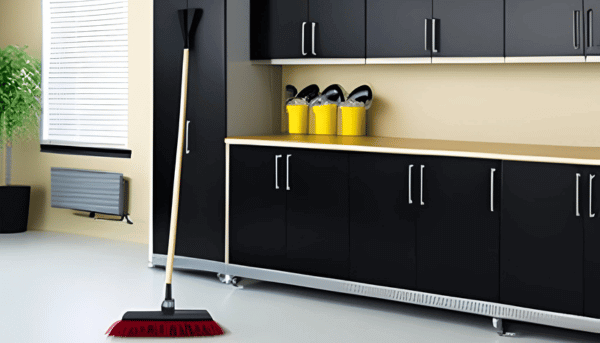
<point>324,110</point>
<point>353,112</point>
<point>354,118</point>
<point>297,111</point>
<point>324,114</point>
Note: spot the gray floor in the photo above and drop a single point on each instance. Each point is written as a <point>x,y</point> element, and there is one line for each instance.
<point>58,287</point>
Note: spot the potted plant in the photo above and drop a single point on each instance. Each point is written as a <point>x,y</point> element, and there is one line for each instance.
<point>20,108</point>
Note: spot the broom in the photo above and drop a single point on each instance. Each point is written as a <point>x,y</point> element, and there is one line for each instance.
<point>169,322</point>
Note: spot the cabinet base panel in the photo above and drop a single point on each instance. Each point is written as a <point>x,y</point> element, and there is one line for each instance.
<point>484,308</point>
<point>181,262</point>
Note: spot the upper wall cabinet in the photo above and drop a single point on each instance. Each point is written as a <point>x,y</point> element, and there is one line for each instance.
<point>468,28</point>
<point>293,29</point>
<point>591,19</point>
<point>398,29</point>
<point>415,30</point>
<point>278,28</point>
<point>545,28</point>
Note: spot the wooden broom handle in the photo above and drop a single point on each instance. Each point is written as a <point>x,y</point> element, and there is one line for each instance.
<point>178,158</point>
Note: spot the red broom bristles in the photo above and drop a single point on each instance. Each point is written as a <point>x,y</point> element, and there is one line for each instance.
<point>147,328</point>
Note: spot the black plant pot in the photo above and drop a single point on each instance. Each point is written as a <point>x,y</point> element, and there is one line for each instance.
<point>14,208</point>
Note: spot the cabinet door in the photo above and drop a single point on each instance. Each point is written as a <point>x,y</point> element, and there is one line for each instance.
<point>167,88</point>
<point>590,210</point>
<point>542,236</point>
<point>276,28</point>
<point>317,213</point>
<point>201,221</point>
<point>458,228</point>
<point>257,235</point>
<point>544,28</point>
<point>383,219</point>
<point>340,28</point>
<point>469,28</point>
<point>591,19</point>
<point>398,28</point>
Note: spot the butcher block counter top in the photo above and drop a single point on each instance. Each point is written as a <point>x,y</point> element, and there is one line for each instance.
<point>410,146</point>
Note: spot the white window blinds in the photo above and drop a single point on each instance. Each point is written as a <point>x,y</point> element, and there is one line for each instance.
<point>85,73</point>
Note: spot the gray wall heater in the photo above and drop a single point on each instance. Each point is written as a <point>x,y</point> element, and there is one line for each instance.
<point>89,191</point>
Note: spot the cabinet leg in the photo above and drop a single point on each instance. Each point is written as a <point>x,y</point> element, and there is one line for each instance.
<point>150,265</point>
<point>500,329</point>
<point>229,279</point>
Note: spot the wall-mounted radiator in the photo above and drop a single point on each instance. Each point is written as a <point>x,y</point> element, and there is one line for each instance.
<point>89,191</point>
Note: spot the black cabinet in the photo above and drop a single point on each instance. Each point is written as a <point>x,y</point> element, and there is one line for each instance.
<point>398,28</point>
<point>426,223</point>
<point>201,220</point>
<point>337,28</point>
<point>278,29</point>
<point>458,229</point>
<point>544,28</point>
<point>289,210</point>
<point>468,28</point>
<point>383,220</point>
<point>591,20</point>
<point>257,234</point>
<point>307,29</point>
<point>317,212</point>
<point>590,211</point>
<point>541,245</point>
<point>438,28</point>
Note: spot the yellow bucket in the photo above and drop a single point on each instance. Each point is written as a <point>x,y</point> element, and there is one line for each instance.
<point>325,119</point>
<point>354,121</point>
<point>298,119</point>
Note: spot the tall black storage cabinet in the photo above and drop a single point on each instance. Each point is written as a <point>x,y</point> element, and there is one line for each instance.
<point>201,219</point>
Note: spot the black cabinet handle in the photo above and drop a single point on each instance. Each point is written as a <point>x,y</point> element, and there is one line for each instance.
<point>410,183</point>
<point>276,171</point>
<point>303,30</point>
<point>592,215</point>
<point>576,21</point>
<point>492,190</point>
<point>590,28</point>
<point>577,194</point>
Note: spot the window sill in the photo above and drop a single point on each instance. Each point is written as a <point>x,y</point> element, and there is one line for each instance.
<point>85,151</point>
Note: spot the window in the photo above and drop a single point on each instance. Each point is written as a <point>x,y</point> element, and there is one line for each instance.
<point>85,77</point>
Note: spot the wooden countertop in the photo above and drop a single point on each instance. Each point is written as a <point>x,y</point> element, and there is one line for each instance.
<point>409,146</point>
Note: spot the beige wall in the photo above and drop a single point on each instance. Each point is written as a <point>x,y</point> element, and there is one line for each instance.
<point>21,24</point>
<point>553,104</point>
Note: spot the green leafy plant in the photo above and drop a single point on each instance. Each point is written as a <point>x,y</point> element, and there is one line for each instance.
<point>20,94</point>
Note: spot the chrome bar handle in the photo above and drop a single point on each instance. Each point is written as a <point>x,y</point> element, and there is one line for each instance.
<point>592,215</point>
<point>276,171</point>
<point>426,34</point>
<point>577,194</point>
<point>288,171</point>
<point>187,135</point>
<point>410,183</point>
<point>434,36</point>
<point>313,39</point>
<point>590,29</point>
<point>422,167</point>
<point>492,190</point>
<point>303,30</point>
<point>576,30</point>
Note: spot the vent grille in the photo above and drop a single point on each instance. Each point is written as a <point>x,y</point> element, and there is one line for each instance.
<point>85,74</point>
<point>89,191</point>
